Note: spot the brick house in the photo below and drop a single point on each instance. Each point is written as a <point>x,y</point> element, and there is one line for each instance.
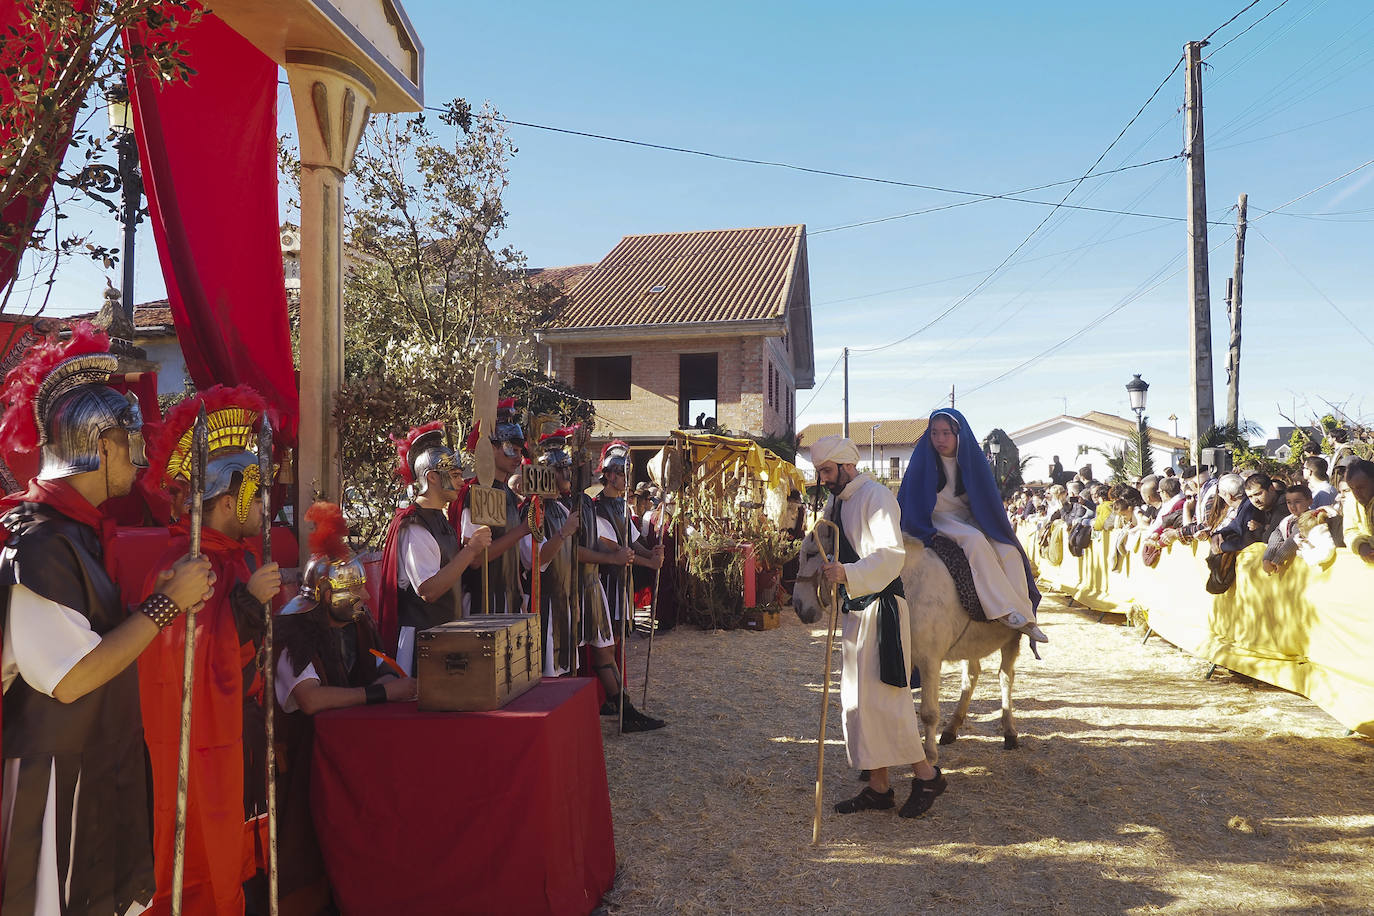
<point>673,330</point>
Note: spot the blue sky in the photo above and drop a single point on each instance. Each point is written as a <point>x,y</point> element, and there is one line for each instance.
<point>988,98</point>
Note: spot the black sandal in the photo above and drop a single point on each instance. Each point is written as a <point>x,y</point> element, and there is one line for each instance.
<point>867,800</point>
<point>923,795</point>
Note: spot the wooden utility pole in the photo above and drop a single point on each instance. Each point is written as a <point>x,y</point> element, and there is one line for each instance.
<point>1233,309</point>
<point>951,395</point>
<point>845,430</point>
<point>1199,290</point>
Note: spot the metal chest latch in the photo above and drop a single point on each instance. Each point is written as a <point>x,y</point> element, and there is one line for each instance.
<point>456,663</point>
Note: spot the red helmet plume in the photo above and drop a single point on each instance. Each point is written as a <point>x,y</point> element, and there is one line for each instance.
<point>165,438</point>
<point>19,426</point>
<point>327,538</point>
<point>404,445</point>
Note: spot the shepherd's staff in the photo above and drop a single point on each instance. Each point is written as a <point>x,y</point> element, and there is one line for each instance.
<point>825,675</point>
<point>200,455</point>
<point>627,602</point>
<point>269,668</point>
<point>653,597</point>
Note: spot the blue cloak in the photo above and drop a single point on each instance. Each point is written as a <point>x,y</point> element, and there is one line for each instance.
<point>921,482</point>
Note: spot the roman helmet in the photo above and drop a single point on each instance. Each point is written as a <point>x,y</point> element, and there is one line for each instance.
<point>332,577</point>
<point>232,416</point>
<point>508,429</point>
<point>615,456</point>
<point>60,401</point>
<point>554,448</point>
<point>422,450</point>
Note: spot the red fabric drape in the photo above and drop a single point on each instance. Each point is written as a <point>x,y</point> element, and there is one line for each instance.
<point>209,154</point>
<point>38,55</point>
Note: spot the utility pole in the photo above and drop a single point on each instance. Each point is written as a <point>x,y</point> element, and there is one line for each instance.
<point>951,396</point>
<point>845,430</point>
<point>1233,298</point>
<point>1199,290</point>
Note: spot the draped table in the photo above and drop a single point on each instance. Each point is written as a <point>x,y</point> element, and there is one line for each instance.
<point>479,812</point>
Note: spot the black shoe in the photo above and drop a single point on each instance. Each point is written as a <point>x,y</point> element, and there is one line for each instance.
<point>867,800</point>
<point>923,795</point>
<point>636,721</point>
<point>611,707</point>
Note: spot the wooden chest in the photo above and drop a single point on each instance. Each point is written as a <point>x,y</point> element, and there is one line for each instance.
<point>478,663</point>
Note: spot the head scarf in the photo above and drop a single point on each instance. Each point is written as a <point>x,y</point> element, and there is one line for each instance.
<point>921,482</point>
<point>834,448</point>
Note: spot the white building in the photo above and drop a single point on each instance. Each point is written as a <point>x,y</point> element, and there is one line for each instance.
<point>884,446</point>
<point>1076,441</point>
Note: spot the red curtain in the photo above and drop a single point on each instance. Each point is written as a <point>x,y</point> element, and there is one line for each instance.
<point>208,149</point>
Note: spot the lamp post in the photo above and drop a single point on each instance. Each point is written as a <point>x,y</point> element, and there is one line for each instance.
<point>872,468</point>
<point>1136,388</point>
<point>130,181</point>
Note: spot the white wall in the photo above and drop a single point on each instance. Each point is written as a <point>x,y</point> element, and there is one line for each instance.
<point>166,352</point>
<point>1064,440</point>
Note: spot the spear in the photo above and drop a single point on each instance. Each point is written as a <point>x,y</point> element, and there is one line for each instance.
<point>653,598</point>
<point>269,668</point>
<point>627,604</point>
<point>200,456</point>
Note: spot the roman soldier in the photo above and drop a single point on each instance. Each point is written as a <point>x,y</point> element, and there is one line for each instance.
<point>560,616</point>
<point>226,798</point>
<point>504,589</point>
<point>76,825</point>
<point>617,532</point>
<point>325,637</point>
<point>613,546</point>
<point>422,562</point>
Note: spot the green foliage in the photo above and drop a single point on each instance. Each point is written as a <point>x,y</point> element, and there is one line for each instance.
<point>784,446</point>
<point>1007,465</point>
<point>429,293</point>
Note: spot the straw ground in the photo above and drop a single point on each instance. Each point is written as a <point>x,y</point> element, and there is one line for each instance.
<point>1139,787</point>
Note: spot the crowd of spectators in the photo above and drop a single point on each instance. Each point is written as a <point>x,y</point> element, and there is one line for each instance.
<point>1306,514</point>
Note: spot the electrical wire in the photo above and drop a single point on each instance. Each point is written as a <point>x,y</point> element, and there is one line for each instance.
<point>1246,29</point>
<point>1336,308</point>
<point>1319,187</point>
<point>1248,6</point>
<point>815,394</point>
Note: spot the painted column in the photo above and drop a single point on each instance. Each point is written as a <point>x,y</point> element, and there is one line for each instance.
<point>332,98</point>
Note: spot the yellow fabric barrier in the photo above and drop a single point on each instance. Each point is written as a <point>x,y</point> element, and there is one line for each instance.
<point>1305,629</point>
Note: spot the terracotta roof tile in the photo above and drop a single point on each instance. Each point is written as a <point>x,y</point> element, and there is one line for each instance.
<point>889,432</point>
<point>564,278</point>
<point>677,277</point>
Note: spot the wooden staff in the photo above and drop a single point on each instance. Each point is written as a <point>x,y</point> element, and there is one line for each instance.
<point>653,598</point>
<point>536,521</point>
<point>200,455</point>
<point>486,588</point>
<point>825,677</point>
<point>269,668</point>
<point>627,602</point>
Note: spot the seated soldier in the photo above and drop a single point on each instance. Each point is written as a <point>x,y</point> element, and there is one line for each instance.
<point>325,638</point>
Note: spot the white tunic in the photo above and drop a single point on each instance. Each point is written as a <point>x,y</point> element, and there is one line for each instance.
<point>880,726</point>
<point>999,575</point>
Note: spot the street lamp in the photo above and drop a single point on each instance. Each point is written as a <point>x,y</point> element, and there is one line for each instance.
<point>872,468</point>
<point>1137,388</point>
<point>130,180</point>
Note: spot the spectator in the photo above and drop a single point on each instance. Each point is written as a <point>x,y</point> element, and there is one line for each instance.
<point>1235,533</point>
<point>1269,506</point>
<point>1283,542</point>
<point>1316,544</point>
<point>1314,474</point>
<point>1359,502</point>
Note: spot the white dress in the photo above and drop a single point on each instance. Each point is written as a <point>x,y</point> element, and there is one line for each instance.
<point>999,575</point>
<point>880,725</point>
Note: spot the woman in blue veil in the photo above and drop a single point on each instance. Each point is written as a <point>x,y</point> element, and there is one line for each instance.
<point>949,489</point>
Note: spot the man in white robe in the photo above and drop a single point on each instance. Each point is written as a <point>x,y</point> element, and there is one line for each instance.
<point>880,723</point>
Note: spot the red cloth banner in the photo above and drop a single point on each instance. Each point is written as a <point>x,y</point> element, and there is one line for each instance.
<point>208,148</point>
<point>450,813</point>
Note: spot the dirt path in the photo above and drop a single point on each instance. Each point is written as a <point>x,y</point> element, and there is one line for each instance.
<point>1138,788</point>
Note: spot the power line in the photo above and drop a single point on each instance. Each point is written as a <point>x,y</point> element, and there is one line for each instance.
<point>1022,244</point>
<point>1248,7</point>
<point>1358,330</point>
<point>815,394</point>
<point>1319,187</point>
<point>1247,28</point>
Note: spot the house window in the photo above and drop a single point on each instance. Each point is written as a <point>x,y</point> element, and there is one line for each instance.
<point>602,378</point>
<point>894,467</point>
<point>772,385</point>
<point>697,390</point>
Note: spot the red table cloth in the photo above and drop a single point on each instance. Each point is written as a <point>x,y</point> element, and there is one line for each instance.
<point>478,812</point>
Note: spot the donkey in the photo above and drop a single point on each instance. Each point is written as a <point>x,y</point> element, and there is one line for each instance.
<point>940,629</point>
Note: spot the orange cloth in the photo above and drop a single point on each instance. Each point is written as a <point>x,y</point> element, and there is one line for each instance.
<point>219,844</point>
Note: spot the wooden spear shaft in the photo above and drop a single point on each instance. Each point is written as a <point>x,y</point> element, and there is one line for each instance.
<point>269,668</point>
<point>200,454</point>
<point>825,689</point>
